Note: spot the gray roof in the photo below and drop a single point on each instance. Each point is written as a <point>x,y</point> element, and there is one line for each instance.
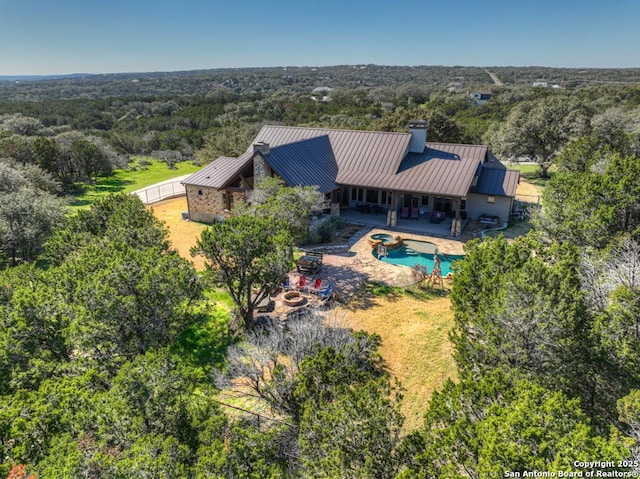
<point>355,151</point>
<point>218,173</point>
<point>497,182</point>
<point>306,163</point>
<point>443,169</point>
<point>327,158</point>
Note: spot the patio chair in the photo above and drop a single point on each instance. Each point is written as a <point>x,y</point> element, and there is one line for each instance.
<point>414,213</point>
<point>286,284</point>
<point>327,292</point>
<point>301,284</point>
<point>316,286</point>
<point>405,212</point>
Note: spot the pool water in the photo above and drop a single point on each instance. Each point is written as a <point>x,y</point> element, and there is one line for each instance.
<point>419,252</point>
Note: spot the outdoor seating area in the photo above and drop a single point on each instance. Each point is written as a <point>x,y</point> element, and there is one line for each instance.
<point>374,209</point>
<point>301,290</point>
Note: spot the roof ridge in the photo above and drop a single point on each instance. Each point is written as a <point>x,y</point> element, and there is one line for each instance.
<point>302,140</point>
<point>456,144</point>
<point>337,129</point>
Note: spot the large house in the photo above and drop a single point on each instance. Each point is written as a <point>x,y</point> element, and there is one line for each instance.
<point>389,172</point>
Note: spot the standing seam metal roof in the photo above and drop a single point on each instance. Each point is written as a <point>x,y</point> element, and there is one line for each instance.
<point>219,172</point>
<point>497,182</point>
<point>327,157</point>
<point>306,163</point>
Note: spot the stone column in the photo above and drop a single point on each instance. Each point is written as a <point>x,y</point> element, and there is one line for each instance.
<point>335,209</point>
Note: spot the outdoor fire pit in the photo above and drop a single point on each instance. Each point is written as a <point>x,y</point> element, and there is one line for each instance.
<point>293,298</point>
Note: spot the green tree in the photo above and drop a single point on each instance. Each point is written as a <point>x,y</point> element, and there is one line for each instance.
<point>116,218</point>
<point>29,210</point>
<point>293,206</point>
<point>594,207</point>
<point>125,301</point>
<point>350,418</point>
<point>90,159</point>
<point>540,129</point>
<point>629,410</point>
<point>250,256</point>
<point>502,422</point>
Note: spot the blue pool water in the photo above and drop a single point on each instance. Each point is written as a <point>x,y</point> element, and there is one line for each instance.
<point>419,252</point>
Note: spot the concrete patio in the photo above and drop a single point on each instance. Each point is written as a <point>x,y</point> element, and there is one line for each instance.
<point>420,225</point>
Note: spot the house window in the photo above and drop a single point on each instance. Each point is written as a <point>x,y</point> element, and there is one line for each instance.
<point>372,196</point>
<point>442,204</point>
<point>354,194</point>
<point>491,199</point>
<point>360,194</point>
<point>425,200</point>
<point>199,192</point>
<point>463,205</point>
<point>385,198</point>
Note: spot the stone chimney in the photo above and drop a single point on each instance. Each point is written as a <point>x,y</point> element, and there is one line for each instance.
<point>418,130</point>
<point>261,147</point>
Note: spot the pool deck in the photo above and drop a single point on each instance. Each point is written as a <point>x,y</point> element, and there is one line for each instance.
<point>348,271</point>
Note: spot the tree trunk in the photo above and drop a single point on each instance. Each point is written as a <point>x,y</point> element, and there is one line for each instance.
<point>544,170</point>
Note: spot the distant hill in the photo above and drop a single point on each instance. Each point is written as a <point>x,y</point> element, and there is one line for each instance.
<point>15,78</point>
<point>291,79</point>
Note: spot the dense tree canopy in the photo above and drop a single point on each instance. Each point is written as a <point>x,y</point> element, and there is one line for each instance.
<point>540,129</point>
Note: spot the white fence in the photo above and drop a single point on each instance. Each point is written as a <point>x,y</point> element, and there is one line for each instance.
<point>156,193</point>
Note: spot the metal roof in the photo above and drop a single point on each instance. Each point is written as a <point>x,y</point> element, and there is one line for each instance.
<point>373,151</point>
<point>443,169</point>
<point>497,182</point>
<point>326,157</point>
<point>218,173</point>
<point>306,163</point>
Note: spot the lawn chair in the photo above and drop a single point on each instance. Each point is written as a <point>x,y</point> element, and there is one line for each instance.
<point>414,213</point>
<point>286,285</point>
<point>316,286</point>
<point>302,283</point>
<point>326,293</point>
<point>405,212</point>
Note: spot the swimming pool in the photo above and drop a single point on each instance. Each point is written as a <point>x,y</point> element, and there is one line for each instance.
<point>419,252</point>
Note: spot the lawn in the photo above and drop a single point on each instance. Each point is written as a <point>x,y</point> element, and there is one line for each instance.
<point>531,172</point>
<point>142,171</point>
<point>414,327</point>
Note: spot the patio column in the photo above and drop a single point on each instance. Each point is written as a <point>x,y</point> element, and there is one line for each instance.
<point>392,214</point>
<point>456,224</point>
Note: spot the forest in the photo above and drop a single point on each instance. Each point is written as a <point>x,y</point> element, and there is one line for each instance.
<point>117,357</point>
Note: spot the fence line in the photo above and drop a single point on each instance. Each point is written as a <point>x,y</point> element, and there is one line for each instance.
<point>156,193</point>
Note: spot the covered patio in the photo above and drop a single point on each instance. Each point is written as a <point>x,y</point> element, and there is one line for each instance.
<point>422,224</point>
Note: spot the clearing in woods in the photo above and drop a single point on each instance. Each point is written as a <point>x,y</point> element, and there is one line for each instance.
<point>414,327</point>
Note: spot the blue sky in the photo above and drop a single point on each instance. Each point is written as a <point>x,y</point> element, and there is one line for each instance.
<point>109,36</point>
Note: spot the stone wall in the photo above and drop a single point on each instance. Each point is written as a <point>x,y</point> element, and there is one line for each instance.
<point>206,205</point>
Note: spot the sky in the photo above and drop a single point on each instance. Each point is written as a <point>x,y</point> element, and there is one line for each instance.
<point>114,36</point>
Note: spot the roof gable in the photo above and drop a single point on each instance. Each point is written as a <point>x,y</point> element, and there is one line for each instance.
<point>354,150</point>
<point>219,172</point>
<point>497,182</point>
<point>305,163</point>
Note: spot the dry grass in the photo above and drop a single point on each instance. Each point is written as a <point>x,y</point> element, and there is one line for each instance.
<point>528,192</point>
<point>414,331</point>
<point>415,345</point>
<point>182,234</point>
